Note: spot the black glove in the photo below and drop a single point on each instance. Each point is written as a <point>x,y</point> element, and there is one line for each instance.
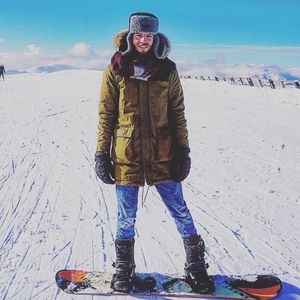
<point>181,163</point>
<point>104,168</point>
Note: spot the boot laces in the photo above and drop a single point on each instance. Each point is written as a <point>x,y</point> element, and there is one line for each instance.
<point>199,266</point>
<point>123,266</point>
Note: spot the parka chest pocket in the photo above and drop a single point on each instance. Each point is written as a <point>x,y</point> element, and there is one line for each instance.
<point>128,96</point>
<point>159,89</point>
<point>123,150</point>
<point>158,97</point>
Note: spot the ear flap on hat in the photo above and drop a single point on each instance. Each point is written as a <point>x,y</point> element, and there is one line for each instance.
<point>161,46</point>
<point>129,44</point>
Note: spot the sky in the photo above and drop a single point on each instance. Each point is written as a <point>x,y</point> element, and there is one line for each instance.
<point>66,32</point>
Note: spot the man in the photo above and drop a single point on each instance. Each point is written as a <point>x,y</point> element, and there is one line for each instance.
<point>2,71</point>
<point>143,137</point>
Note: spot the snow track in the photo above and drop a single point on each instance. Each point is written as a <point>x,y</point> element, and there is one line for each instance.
<point>243,190</point>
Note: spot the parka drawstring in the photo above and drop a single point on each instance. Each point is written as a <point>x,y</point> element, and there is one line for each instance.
<point>144,200</point>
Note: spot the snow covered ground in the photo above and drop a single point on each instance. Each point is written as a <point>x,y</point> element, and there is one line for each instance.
<point>243,190</point>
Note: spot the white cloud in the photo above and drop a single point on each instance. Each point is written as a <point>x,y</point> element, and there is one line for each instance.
<point>238,70</point>
<point>219,59</point>
<point>238,47</point>
<point>33,49</point>
<point>34,58</point>
<point>81,50</point>
<point>199,56</point>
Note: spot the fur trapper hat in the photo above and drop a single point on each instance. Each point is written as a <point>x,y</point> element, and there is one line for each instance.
<point>142,22</point>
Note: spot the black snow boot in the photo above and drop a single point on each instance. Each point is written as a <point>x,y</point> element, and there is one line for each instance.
<point>195,266</point>
<point>122,279</point>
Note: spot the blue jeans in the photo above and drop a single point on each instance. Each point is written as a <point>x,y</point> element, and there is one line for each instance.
<point>171,194</point>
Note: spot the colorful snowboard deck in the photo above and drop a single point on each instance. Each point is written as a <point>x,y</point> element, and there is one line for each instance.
<point>79,282</point>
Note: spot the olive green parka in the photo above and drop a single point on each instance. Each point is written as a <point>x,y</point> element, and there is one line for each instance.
<point>140,124</point>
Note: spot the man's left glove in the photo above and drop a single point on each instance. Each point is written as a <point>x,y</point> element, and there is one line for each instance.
<point>181,163</point>
<point>104,168</point>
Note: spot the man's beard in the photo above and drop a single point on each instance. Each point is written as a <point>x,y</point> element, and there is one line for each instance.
<point>144,47</point>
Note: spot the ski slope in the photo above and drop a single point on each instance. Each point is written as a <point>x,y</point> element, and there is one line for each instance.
<point>243,189</point>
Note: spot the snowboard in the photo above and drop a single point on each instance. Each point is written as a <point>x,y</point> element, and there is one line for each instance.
<point>79,282</point>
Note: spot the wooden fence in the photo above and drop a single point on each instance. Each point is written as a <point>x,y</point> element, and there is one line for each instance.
<point>248,81</point>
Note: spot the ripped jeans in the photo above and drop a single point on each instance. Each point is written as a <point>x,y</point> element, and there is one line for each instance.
<point>171,194</point>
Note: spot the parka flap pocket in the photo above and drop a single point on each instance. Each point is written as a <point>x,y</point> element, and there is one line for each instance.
<point>125,132</point>
<point>164,144</point>
<point>123,150</point>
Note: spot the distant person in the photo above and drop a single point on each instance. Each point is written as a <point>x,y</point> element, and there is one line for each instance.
<point>143,137</point>
<point>2,71</point>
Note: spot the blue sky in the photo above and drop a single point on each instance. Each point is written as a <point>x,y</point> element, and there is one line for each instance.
<point>200,30</point>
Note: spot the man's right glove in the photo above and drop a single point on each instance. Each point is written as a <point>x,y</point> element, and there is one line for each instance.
<point>181,163</point>
<point>103,167</point>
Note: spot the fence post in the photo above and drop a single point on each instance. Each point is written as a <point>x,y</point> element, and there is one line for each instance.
<point>241,80</point>
<point>224,78</point>
<point>260,83</point>
<point>232,79</point>
<point>297,85</point>
<point>272,85</point>
<point>209,78</point>
<point>282,83</point>
<point>216,78</point>
<point>250,81</point>
<point>202,77</point>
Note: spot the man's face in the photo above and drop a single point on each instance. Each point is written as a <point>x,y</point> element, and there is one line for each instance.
<point>142,42</point>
